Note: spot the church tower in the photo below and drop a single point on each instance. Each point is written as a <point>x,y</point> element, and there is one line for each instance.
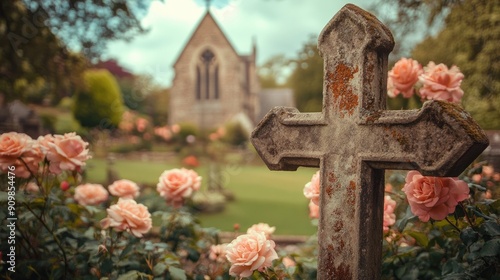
<point>213,83</point>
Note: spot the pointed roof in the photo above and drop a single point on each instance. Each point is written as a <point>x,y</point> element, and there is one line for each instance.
<point>207,19</point>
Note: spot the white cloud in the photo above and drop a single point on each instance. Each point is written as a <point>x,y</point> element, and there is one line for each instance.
<point>279,26</point>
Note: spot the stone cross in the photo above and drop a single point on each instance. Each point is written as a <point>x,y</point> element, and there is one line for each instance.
<point>354,139</point>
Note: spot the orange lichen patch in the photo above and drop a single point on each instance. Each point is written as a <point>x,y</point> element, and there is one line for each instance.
<point>329,191</point>
<point>351,193</point>
<point>374,116</point>
<point>332,178</point>
<point>343,271</point>
<point>399,137</point>
<point>338,226</point>
<point>341,90</point>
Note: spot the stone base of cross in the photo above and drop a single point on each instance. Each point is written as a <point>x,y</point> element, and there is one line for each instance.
<point>354,139</point>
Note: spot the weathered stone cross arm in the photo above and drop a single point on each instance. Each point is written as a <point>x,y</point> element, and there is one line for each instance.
<point>354,139</point>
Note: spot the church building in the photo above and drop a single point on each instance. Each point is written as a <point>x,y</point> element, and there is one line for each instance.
<point>213,84</point>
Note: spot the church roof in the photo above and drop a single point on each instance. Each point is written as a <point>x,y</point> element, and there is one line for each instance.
<point>205,20</point>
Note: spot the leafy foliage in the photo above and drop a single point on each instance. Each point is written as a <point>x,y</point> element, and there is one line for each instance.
<point>35,65</point>
<point>475,52</point>
<point>100,104</point>
<point>306,79</point>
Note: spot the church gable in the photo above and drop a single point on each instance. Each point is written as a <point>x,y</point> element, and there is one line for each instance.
<point>212,82</point>
<point>207,33</point>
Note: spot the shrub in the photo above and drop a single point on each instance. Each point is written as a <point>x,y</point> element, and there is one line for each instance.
<point>100,104</point>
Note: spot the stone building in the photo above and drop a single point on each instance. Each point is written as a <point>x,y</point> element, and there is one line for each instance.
<point>213,83</point>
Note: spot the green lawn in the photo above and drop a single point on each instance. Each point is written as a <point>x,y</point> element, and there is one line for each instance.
<point>261,195</point>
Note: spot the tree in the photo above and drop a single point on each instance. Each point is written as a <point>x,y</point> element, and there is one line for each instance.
<point>156,104</point>
<point>409,20</point>
<point>272,72</point>
<point>100,104</point>
<point>470,41</point>
<point>37,35</point>
<point>34,65</point>
<point>306,79</point>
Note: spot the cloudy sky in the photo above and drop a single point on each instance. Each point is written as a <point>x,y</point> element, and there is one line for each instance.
<point>278,26</point>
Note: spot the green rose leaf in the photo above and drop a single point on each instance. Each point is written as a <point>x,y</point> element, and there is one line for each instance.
<point>177,273</point>
<point>490,248</point>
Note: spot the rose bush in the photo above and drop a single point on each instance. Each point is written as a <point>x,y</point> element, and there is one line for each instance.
<point>434,197</point>
<point>65,152</point>
<point>128,215</point>
<point>434,82</point>
<point>262,227</point>
<point>403,77</point>
<point>250,252</point>
<point>441,83</point>
<point>177,185</point>
<point>312,189</point>
<point>124,188</point>
<point>90,194</point>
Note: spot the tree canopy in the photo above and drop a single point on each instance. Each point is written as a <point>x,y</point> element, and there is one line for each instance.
<point>38,35</point>
<point>470,41</point>
<point>306,79</point>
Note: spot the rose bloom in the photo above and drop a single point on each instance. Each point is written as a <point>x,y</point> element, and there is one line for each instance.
<point>12,146</point>
<point>176,185</point>
<point>288,262</point>
<point>31,187</point>
<point>90,194</point>
<point>403,76</point>
<point>389,216</point>
<point>313,210</point>
<point>311,189</point>
<point>128,215</point>
<point>27,164</point>
<point>250,252</point>
<point>124,189</point>
<point>67,152</point>
<point>388,187</point>
<point>433,197</point>
<point>441,83</point>
<point>488,170</point>
<point>218,253</point>
<point>20,151</point>
<point>262,227</point>
<point>476,178</point>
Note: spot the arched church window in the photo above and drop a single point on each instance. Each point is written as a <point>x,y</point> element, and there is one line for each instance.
<point>207,76</point>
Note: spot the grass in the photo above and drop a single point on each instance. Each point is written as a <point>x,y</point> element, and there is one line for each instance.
<point>261,195</point>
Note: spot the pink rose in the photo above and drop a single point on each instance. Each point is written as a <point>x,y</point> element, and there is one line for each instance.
<point>67,152</point>
<point>124,189</point>
<point>262,227</point>
<point>29,162</point>
<point>389,216</point>
<point>433,197</point>
<point>476,178</point>
<point>90,194</point>
<point>403,76</point>
<point>176,185</point>
<point>128,215</point>
<point>288,262</point>
<point>31,187</point>
<point>439,83</point>
<point>249,252</point>
<point>20,151</point>
<point>12,146</point>
<point>313,210</point>
<point>311,189</point>
<point>488,171</point>
<point>218,253</point>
